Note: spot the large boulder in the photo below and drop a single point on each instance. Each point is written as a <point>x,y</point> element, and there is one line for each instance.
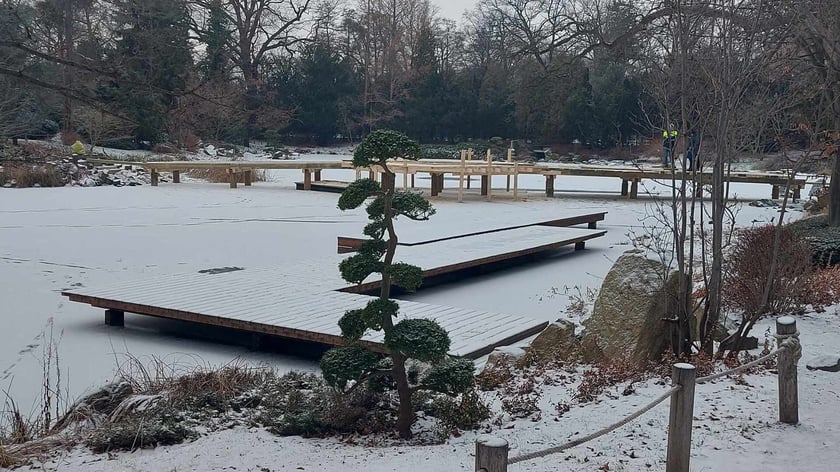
<point>628,319</point>
<point>557,342</point>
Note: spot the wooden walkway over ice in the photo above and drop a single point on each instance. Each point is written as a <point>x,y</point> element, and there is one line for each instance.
<point>306,301</point>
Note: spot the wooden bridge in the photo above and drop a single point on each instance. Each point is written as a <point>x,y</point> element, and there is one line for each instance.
<point>463,170</point>
<point>306,301</point>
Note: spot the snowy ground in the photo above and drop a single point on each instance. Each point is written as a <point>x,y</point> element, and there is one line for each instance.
<point>53,239</point>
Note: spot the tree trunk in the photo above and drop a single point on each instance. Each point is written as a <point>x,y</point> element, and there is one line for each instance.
<point>67,72</point>
<point>406,411</point>
<point>834,193</point>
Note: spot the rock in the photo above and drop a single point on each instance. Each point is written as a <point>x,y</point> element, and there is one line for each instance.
<point>506,356</point>
<point>765,203</point>
<point>825,363</point>
<point>556,342</point>
<point>627,321</point>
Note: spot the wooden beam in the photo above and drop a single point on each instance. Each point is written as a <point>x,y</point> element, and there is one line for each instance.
<point>248,177</point>
<point>176,176</point>
<point>155,178</point>
<point>307,179</point>
<point>233,177</point>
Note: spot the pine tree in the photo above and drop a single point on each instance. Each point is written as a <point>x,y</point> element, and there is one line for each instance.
<point>153,53</point>
<point>420,339</point>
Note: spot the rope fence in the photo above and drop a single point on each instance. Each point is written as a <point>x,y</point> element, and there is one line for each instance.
<point>492,453</point>
<point>596,434</point>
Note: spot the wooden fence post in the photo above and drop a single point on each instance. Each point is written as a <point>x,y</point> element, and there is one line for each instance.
<point>682,414</point>
<point>788,382</point>
<point>491,454</point>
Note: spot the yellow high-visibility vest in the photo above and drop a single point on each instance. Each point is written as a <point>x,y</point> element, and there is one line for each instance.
<point>673,133</point>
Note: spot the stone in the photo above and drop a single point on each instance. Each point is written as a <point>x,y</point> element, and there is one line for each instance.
<point>506,356</point>
<point>556,342</point>
<point>628,320</point>
<point>825,363</point>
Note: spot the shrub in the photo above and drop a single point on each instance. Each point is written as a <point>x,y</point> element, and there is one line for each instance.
<point>749,263</point>
<point>25,176</point>
<point>823,239</point>
<point>467,411</point>
<point>219,176</point>
<point>161,427</point>
<point>824,287</point>
<point>607,374</point>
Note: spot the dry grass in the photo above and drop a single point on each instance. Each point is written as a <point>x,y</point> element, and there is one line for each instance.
<point>25,176</point>
<point>7,459</point>
<point>219,176</point>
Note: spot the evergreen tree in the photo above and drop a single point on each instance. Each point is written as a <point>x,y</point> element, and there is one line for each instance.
<point>216,61</point>
<point>419,339</point>
<point>153,53</point>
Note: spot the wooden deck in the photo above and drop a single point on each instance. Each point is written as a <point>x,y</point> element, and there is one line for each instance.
<point>261,303</point>
<point>463,170</point>
<point>306,301</point>
<point>409,238</point>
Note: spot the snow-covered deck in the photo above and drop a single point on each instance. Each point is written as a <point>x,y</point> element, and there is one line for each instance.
<point>307,300</point>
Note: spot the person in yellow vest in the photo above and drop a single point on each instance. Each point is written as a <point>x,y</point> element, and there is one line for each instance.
<point>669,142</point>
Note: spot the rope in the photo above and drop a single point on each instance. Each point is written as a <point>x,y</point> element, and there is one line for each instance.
<point>748,365</point>
<point>597,434</point>
<point>785,341</point>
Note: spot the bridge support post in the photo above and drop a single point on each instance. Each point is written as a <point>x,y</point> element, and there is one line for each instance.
<point>307,179</point>
<point>114,318</point>
<point>549,185</point>
<point>634,189</point>
<point>176,176</point>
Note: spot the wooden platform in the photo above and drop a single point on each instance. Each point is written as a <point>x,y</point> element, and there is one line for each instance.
<point>263,302</point>
<point>463,170</point>
<point>305,301</point>
<point>437,234</point>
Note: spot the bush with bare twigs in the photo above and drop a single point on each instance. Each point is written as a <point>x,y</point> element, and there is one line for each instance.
<point>600,377</point>
<point>747,267</point>
<point>25,176</point>
<point>218,176</point>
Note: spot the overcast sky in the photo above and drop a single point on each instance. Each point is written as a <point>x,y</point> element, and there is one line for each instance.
<point>454,9</point>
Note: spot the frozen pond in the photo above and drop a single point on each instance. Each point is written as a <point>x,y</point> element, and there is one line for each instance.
<point>54,239</point>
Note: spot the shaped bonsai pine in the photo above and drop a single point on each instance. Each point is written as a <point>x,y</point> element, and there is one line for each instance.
<point>419,339</point>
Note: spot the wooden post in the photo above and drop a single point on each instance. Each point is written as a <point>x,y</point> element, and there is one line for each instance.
<point>469,177</point>
<point>307,179</point>
<point>774,194</point>
<point>549,185</point>
<point>176,176</point>
<point>624,184</point>
<point>489,176</point>
<point>515,180</point>
<point>412,179</point>
<point>358,174</point>
<point>234,177</point>
<point>491,454</point>
<point>405,177</point>
<point>797,192</point>
<point>317,175</point>
<point>484,184</point>
<point>788,381</point>
<point>114,318</point>
<point>634,189</point>
<point>682,414</point>
<point>248,177</point>
<point>371,174</point>
<point>509,159</point>
<point>461,176</point>
<point>155,177</point>
<point>580,245</point>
